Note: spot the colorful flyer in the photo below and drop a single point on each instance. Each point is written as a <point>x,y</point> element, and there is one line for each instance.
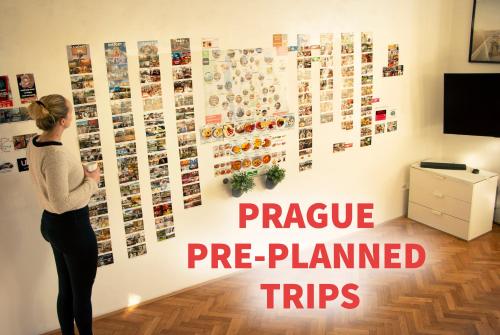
<point>5,92</point>
<point>27,88</point>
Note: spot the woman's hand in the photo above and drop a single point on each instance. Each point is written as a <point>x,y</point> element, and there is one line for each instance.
<point>96,174</point>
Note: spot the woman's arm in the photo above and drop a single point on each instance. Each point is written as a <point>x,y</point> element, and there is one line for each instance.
<point>55,169</point>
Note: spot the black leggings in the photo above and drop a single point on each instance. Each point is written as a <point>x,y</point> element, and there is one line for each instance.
<point>75,251</point>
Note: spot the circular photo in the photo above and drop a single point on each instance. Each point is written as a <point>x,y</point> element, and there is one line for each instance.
<point>208,77</point>
<point>213,100</point>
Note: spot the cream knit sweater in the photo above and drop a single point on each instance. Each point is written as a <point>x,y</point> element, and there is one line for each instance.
<point>58,177</point>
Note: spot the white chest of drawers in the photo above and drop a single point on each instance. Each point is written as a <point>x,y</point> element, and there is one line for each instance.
<point>457,202</point>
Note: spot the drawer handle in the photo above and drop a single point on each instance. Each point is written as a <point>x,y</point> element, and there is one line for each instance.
<point>438,195</point>
<point>436,212</point>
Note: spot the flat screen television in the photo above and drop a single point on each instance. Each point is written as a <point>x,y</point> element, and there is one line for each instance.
<point>472,104</point>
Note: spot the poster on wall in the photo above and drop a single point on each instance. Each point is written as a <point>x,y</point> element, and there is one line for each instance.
<point>89,140</point>
<point>246,108</point>
<point>124,133</point>
<point>152,103</point>
<point>184,109</point>
<point>26,87</point>
<point>242,85</point>
<point>5,92</point>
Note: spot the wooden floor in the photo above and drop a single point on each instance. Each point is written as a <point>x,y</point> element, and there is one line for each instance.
<point>456,292</point>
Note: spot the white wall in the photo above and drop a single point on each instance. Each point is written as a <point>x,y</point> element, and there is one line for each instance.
<point>477,151</point>
<point>36,38</point>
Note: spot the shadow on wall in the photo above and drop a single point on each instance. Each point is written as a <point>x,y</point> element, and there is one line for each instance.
<point>17,247</point>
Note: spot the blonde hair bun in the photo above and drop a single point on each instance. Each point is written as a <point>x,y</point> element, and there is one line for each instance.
<point>48,110</point>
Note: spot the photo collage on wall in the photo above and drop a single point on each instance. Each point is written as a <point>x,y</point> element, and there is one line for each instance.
<point>304,64</point>
<point>326,78</point>
<point>366,89</point>
<point>393,68</point>
<point>246,108</point>
<point>347,71</point>
<point>385,120</point>
<point>89,139</point>
<point>186,129</point>
<point>125,146</point>
<point>154,122</point>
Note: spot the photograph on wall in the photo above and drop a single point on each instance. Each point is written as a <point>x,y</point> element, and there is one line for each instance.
<point>85,112</point>
<point>137,250</point>
<point>27,88</point>
<point>134,226</point>
<point>79,82</point>
<point>392,126</point>
<point>21,141</point>
<point>132,214</point>
<point>158,185</point>
<point>99,222</point>
<point>166,233</point>
<point>6,166</point>
<point>135,238</point>
<point>485,32</point>
<point>129,189</point>
<point>87,126</point>
<point>105,259</point>
<point>14,114</point>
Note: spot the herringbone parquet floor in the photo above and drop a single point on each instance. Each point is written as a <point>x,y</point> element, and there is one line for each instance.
<point>456,292</point>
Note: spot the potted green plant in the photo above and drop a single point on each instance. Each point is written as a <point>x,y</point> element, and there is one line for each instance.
<point>240,183</point>
<point>274,175</point>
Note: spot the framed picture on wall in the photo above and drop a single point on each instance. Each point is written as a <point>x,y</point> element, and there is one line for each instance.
<point>485,32</point>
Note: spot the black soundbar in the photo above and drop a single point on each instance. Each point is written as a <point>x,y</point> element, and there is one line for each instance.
<point>444,166</point>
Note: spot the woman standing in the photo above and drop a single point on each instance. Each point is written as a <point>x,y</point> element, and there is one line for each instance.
<point>64,189</point>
